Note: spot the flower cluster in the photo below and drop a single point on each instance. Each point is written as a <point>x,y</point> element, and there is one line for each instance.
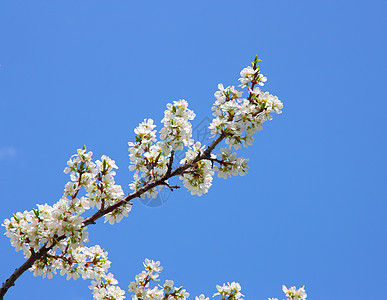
<point>87,262</point>
<point>60,227</point>
<point>177,130</point>
<point>146,158</point>
<point>149,159</point>
<point>231,291</point>
<point>56,234</point>
<point>84,261</point>
<point>250,74</point>
<point>140,287</point>
<point>29,230</point>
<point>104,192</point>
<point>198,178</point>
<point>49,225</point>
<point>106,288</point>
<point>239,118</point>
<point>293,293</point>
<point>98,181</point>
<point>230,164</point>
<point>236,120</point>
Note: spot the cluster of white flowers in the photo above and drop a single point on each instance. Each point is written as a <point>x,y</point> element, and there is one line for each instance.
<point>149,159</point>
<point>236,120</point>
<point>105,288</point>
<point>230,164</point>
<point>250,74</point>
<point>177,130</point>
<point>43,226</point>
<point>198,178</point>
<point>141,286</point>
<point>29,230</point>
<point>239,118</point>
<point>87,262</point>
<point>293,293</point>
<point>61,230</point>
<point>146,158</point>
<point>231,291</point>
<point>98,180</point>
<point>60,227</point>
<point>104,192</point>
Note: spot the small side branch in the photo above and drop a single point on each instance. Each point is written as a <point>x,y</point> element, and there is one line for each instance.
<point>171,187</point>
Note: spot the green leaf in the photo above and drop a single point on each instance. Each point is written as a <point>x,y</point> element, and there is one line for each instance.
<point>16,218</point>
<point>36,212</point>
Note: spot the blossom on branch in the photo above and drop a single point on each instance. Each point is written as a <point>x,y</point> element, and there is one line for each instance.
<point>52,238</point>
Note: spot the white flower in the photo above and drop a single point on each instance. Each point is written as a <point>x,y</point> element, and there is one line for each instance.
<point>247,75</point>
<point>202,297</point>
<point>197,179</point>
<point>152,265</point>
<point>231,165</point>
<point>169,284</point>
<point>294,294</point>
<point>177,130</point>
<point>232,289</point>
<point>261,79</point>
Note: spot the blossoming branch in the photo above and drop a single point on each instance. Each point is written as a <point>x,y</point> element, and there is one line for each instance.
<point>53,237</point>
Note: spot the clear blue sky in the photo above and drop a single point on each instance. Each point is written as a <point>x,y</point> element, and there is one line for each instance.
<point>312,209</point>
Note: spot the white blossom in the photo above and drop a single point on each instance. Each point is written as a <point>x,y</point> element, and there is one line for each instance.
<point>231,164</point>
<point>202,297</point>
<point>198,178</point>
<point>231,290</point>
<point>239,118</point>
<point>177,130</point>
<point>294,294</point>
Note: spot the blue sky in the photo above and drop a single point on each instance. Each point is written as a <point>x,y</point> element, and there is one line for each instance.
<point>312,209</point>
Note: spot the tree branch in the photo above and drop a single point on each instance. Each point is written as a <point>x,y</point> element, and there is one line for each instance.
<point>91,220</point>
